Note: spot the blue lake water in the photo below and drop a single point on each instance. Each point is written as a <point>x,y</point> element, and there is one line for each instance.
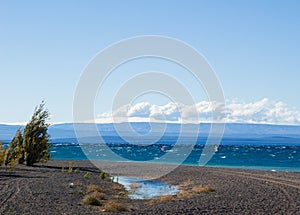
<point>266,154</point>
<point>146,189</point>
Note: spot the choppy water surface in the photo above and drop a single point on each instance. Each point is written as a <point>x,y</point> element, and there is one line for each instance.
<point>266,156</point>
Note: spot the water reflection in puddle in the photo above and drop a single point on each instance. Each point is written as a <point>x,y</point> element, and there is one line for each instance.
<point>146,189</point>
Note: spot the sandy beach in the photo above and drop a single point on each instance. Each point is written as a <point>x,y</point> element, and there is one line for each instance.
<point>51,189</point>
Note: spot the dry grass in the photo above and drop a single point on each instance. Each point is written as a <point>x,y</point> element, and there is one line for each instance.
<point>99,195</point>
<point>122,194</point>
<point>185,194</point>
<point>201,189</point>
<point>94,196</point>
<point>166,198</point>
<point>91,200</point>
<point>79,183</point>
<point>188,190</point>
<point>116,186</point>
<point>186,183</point>
<point>114,206</point>
<point>134,186</point>
<point>94,188</point>
<point>151,202</point>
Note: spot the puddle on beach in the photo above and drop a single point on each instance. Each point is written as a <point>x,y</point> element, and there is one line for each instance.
<point>146,189</point>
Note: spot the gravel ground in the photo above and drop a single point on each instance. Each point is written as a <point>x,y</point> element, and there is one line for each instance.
<point>46,189</point>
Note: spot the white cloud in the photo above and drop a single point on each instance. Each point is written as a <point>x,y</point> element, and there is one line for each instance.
<point>13,123</point>
<point>262,111</point>
<point>140,110</point>
<point>169,112</point>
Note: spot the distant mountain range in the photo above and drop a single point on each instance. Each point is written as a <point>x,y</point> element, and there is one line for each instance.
<point>65,132</point>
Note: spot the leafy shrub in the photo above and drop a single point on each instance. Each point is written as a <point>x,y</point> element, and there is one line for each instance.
<point>36,144</point>
<point>2,154</point>
<point>86,175</point>
<point>102,175</point>
<point>31,146</point>
<point>15,152</point>
<point>70,167</point>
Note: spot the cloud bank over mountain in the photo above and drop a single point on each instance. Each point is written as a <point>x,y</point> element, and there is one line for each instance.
<point>262,111</point>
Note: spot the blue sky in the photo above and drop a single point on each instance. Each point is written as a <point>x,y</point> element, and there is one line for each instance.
<point>253,47</point>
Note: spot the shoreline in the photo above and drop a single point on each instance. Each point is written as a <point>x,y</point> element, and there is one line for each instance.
<point>260,168</point>
<point>45,189</point>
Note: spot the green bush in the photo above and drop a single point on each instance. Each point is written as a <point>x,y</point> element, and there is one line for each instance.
<point>15,152</point>
<point>86,175</point>
<point>63,169</point>
<point>70,167</point>
<point>102,175</point>
<point>33,145</point>
<point>2,154</point>
<point>36,144</point>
